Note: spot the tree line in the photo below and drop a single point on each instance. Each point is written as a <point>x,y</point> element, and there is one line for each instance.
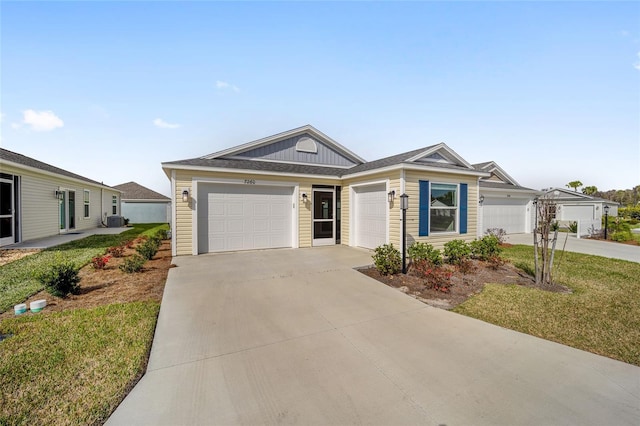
<point>626,197</point>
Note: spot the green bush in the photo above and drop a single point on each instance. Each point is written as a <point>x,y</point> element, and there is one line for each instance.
<point>573,227</point>
<point>424,251</point>
<point>499,233</point>
<point>632,212</point>
<point>149,248</point>
<point>132,264</point>
<point>622,236</point>
<point>387,259</point>
<point>60,279</point>
<point>456,251</point>
<point>485,247</point>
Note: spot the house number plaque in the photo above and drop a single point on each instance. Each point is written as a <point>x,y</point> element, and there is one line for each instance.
<point>249,181</point>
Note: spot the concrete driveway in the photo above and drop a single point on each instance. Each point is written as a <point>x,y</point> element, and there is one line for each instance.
<point>299,337</point>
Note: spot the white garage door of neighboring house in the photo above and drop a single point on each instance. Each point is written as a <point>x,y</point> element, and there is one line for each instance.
<point>370,216</point>
<point>576,213</point>
<point>506,213</point>
<point>244,217</point>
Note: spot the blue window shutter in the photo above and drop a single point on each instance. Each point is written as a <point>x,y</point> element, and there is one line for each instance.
<point>423,216</point>
<point>463,208</point>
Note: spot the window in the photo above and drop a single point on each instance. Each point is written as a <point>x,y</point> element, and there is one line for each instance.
<point>87,202</point>
<point>114,204</point>
<point>443,208</point>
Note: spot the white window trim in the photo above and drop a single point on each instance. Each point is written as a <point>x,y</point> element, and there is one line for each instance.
<point>456,231</point>
<point>86,202</point>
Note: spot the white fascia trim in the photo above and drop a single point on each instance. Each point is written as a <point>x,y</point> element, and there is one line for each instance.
<point>144,200</point>
<point>174,210</point>
<point>521,191</point>
<point>57,175</point>
<point>501,173</point>
<point>420,167</point>
<point>442,147</point>
<point>299,163</point>
<point>284,135</point>
<point>254,172</point>
<point>194,217</point>
<point>202,179</point>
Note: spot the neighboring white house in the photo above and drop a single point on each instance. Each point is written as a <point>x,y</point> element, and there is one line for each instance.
<point>143,205</point>
<point>503,202</point>
<point>40,200</point>
<point>586,210</point>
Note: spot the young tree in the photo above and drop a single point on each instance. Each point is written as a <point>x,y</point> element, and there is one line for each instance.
<point>590,190</point>
<point>575,184</point>
<point>544,234</point>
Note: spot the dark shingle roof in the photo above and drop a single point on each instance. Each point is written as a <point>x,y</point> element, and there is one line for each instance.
<point>14,157</point>
<point>135,191</point>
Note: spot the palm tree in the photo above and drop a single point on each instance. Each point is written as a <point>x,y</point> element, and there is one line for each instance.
<point>590,190</point>
<point>575,184</point>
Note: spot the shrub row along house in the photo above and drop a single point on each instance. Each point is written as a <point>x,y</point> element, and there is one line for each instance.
<point>300,188</point>
<point>39,200</point>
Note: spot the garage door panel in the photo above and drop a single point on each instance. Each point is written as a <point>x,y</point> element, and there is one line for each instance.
<point>370,216</point>
<point>244,218</point>
<point>505,213</point>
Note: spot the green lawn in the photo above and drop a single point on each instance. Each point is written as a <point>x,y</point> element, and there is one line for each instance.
<point>18,279</point>
<point>73,367</point>
<point>602,315</point>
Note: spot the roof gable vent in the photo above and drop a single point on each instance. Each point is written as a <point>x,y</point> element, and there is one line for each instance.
<point>435,158</point>
<point>306,144</point>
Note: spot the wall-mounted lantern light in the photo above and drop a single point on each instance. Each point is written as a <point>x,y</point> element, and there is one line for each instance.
<point>185,195</point>
<point>390,196</point>
<point>481,199</point>
<point>59,194</point>
<point>305,198</point>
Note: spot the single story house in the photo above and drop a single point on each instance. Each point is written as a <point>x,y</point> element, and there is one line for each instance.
<point>143,205</point>
<point>586,210</point>
<point>40,200</point>
<point>300,188</point>
<point>504,203</point>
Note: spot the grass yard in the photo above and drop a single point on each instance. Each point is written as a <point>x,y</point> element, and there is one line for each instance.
<point>602,315</point>
<point>73,367</point>
<point>18,279</point>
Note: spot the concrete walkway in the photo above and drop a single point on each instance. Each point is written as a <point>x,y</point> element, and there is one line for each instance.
<point>299,337</point>
<point>56,240</point>
<point>584,245</point>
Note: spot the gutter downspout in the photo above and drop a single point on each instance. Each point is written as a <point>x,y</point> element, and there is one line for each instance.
<point>174,210</point>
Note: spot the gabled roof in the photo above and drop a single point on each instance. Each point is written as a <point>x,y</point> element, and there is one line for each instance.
<point>493,168</point>
<point>575,196</point>
<point>135,191</point>
<point>285,135</point>
<point>498,178</point>
<point>7,156</point>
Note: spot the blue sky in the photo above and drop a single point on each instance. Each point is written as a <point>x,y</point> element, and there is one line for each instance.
<point>109,90</point>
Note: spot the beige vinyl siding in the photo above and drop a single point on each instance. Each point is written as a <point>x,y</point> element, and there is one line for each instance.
<point>39,208</point>
<point>413,191</point>
<point>393,178</point>
<point>184,211</point>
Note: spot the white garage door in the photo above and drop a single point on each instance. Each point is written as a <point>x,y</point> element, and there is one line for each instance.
<point>370,216</point>
<point>244,217</point>
<point>505,213</point>
<point>582,213</point>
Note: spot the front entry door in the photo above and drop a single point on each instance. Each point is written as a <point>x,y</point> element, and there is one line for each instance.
<point>324,213</point>
<point>7,212</point>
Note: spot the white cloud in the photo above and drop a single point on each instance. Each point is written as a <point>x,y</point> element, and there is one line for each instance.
<point>158,122</point>
<point>40,121</point>
<point>636,65</point>
<point>223,85</point>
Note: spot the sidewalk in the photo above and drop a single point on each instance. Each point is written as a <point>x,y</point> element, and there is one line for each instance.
<point>56,240</point>
<point>586,246</point>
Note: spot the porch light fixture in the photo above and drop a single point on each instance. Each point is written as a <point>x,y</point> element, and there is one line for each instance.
<point>390,196</point>
<point>404,205</point>
<point>304,197</point>
<point>185,195</point>
<point>606,220</point>
<point>481,200</point>
<point>59,194</point>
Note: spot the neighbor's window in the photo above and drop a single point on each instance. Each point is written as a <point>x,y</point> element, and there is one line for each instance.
<point>114,204</point>
<point>87,202</point>
<point>444,207</point>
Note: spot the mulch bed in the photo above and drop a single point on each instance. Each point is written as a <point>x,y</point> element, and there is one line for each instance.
<point>463,285</point>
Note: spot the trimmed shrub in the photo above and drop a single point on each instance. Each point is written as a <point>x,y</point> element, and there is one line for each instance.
<point>423,251</point>
<point>455,251</point>
<point>132,264</point>
<point>499,233</point>
<point>149,248</point>
<point>486,247</point>
<point>116,251</point>
<point>387,259</point>
<point>573,227</point>
<point>61,279</point>
<point>100,262</point>
<point>436,277</point>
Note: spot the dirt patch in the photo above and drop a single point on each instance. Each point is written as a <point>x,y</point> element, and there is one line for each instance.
<point>11,255</point>
<point>111,285</point>
<point>463,285</point>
